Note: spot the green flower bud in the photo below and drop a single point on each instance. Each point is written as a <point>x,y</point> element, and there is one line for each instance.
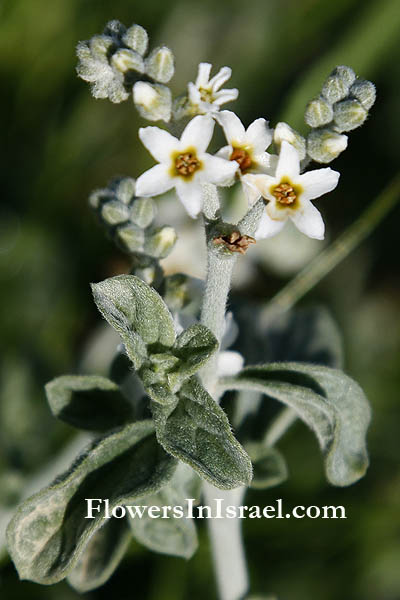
<point>153,101</point>
<point>181,290</point>
<point>346,74</point>
<point>319,112</point>
<point>160,242</point>
<point>131,238</point>
<point>142,212</point>
<point>324,145</point>
<point>349,115</point>
<point>148,270</point>
<point>181,107</point>
<point>124,189</point>
<point>136,38</point>
<point>114,212</point>
<point>335,89</point>
<point>115,29</point>
<point>284,133</point>
<point>97,197</point>
<point>364,91</point>
<point>160,64</point>
<point>125,60</point>
<point>100,46</point>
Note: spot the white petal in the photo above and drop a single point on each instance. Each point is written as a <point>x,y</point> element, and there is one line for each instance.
<point>318,182</point>
<point>288,162</point>
<point>197,133</point>
<point>190,194</point>
<point>268,227</point>
<point>262,182</point>
<point>225,96</point>
<point>250,190</point>
<point>158,142</point>
<point>225,152</point>
<point>203,74</point>
<point>309,221</point>
<point>156,180</point>
<point>259,135</point>
<point>194,94</point>
<point>220,78</point>
<point>232,126</point>
<point>265,163</point>
<point>218,170</point>
<point>229,363</point>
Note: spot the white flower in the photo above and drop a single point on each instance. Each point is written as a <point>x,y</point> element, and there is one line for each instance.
<point>184,164</point>
<point>206,94</point>
<point>247,147</point>
<point>289,194</point>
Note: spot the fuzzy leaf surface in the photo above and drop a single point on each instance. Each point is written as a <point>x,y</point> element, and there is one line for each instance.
<point>49,531</point>
<point>269,466</point>
<point>193,347</point>
<point>328,401</point>
<point>197,431</point>
<point>88,402</point>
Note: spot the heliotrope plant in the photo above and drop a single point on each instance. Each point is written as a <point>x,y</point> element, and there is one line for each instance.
<point>160,434</point>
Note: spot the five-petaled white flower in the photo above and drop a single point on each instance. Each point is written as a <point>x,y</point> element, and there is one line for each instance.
<point>205,94</point>
<point>288,194</point>
<point>247,147</point>
<point>184,164</point>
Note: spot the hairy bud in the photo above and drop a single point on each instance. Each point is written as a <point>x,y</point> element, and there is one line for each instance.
<point>324,145</point>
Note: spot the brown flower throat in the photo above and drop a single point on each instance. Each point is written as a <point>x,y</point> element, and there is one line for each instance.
<point>186,163</point>
<point>242,158</point>
<point>285,194</point>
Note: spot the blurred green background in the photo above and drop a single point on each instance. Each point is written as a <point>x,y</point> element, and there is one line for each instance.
<point>59,143</point>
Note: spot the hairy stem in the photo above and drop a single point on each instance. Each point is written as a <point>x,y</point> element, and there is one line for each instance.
<point>225,534</point>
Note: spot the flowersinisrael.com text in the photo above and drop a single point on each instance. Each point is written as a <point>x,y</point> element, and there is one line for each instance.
<point>220,510</point>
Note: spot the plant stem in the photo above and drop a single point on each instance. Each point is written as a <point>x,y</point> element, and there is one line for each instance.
<point>336,252</point>
<point>225,534</point>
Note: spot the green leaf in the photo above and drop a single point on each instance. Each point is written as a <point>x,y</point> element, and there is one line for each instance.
<point>137,312</point>
<point>49,531</point>
<point>88,402</point>
<point>193,347</point>
<point>197,431</point>
<point>328,401</point>
<point>269,466</point>
<point>101,556</point>
<point>173,535</point>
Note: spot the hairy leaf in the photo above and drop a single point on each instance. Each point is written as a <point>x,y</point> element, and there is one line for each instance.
<point>193,347</point>
<point>49,531</point>
<point>101,557</point>
<point>88,402</point>
<point>137,312</point>
<point>328,401</point>
<point>197,431</point>
<point>269,466</point>
<point>174,535</point>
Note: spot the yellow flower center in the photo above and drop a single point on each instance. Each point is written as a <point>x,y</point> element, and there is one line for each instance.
<point>285,194</point>
<point>242,158</point>
<point>186,164</point>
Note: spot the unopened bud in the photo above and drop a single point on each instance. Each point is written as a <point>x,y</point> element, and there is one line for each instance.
<point>100,46</point>
<point>142,212</point>
<point>124,189</point>
<point>160,64</point>
<point>114,212</point>
<point>365,93</point>
<point>127,60</point>
<point>335,89</point>
<point>160,243</point>
<point>284,133</point>
<point>153,101</point>
<point>130,237</point>
<point>349,115</point>
<point>115,29</point>
<point>180,290</point>
<point>136,38</point>
<point>319,112</point>
<point>346,74</point>
<point>324,145</point>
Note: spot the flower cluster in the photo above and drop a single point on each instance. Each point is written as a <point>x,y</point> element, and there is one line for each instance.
<point>185,165</point>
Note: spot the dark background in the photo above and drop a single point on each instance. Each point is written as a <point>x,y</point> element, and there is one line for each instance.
<point>59,143</point>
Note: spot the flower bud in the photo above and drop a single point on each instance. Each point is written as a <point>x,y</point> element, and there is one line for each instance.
<point>324,145</point>
<point>349,115</point>
<point>153,101</point>
<point>364,91</point>
<point>149,271</point>
<point>136,38</point>
<point>115,29</point>
<point>180,290</point>
<point>100,46</point>
<point>335,89</point>
<point>160,64</point>
<point>284,133</point>
<point>124,189</point>
<point>114,212</point>
<point>127,60</point>
<point>319,112</point>
<point>130,238</point>
<point>346,74</point>
<point>160,243</point>
<point>142,212</point>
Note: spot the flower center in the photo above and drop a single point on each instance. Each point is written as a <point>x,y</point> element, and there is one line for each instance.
<point>242,158</point>
<point>285,194</point>
<point>186,163</point>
